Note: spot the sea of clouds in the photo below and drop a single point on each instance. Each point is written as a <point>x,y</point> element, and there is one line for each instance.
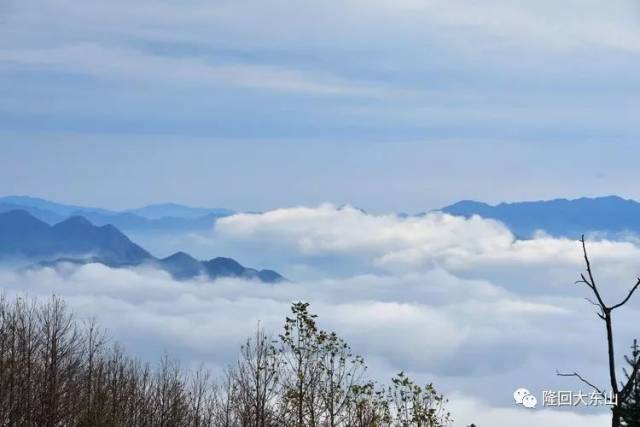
<point>460,302</point>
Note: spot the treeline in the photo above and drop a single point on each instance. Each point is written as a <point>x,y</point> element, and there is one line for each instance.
<point>58,371</point>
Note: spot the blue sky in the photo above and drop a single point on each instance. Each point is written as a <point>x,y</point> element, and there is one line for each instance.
<point>388,105</point>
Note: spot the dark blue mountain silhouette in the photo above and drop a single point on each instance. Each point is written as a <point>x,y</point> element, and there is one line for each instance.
<point>24,236</point>
<point>183,266</point>
<point>76,240</point>
<point>611,215</point>
<point>168,217</point>
<point>228,267</point>
<point>49,217</point>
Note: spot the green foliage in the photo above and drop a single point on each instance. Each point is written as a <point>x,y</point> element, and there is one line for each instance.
<point>630,408</point>
<point>415,405</point>
<point>326,385</point>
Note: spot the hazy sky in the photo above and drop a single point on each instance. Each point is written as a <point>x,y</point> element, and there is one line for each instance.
<point>400,105</point>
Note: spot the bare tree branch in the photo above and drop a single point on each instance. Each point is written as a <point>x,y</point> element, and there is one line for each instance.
<point>583,280</point>
<point>591,282</point>
<point>581,378</point>
<point>599,313</point>
<point>629,295</point>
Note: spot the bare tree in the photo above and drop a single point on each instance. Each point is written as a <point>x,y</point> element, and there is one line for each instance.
<point>61,356</point>
<point>620,391</point>
<point>257,374</point>
<point>225,400</point>
<point>201,397</point>
<point>55,371</point>
<point>170,394</point>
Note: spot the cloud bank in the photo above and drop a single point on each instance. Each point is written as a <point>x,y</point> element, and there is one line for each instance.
<point>474,247</point>
<point>433,325</point>
<point>460,302</point>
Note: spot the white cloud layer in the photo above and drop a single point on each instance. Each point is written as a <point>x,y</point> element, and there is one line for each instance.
<point>438,327</point>
<point>473,247</point>
<point>456,301</point>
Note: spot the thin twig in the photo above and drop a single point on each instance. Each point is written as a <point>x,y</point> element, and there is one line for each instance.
<point>577,375</point>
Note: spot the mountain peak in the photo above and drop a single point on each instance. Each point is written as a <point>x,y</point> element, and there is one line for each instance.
<point>22,235</point>
<point>179,257</point>
<point>76,240</point>
<point>75,221</point>
<point>224,265</point>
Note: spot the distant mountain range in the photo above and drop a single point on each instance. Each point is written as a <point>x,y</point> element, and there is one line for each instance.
<point>23,237</point>
<point>612,216</point>
<point>167,217</point>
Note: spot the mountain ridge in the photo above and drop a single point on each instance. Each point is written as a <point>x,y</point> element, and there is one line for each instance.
<point>76,240</point>
<point>610,215</point>
<point>159,217</point>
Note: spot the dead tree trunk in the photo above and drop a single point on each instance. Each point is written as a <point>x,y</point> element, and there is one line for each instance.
<point>619,391</point>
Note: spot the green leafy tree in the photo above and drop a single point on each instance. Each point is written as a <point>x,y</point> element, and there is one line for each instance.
<point>413,405</point>
<point>370,407</point>
<point>301,367</point>
<point>340,371</point>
